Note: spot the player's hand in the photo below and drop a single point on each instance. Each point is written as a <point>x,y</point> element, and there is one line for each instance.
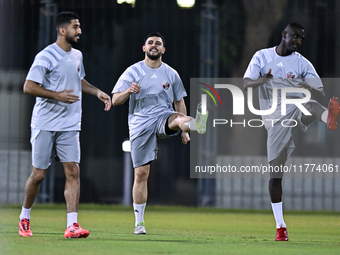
<point>305,86</point>
<point>134,88</point>
<point>268,75</point>
<point>185,137</point>
<point>106,99</point>
<point>66,96</point>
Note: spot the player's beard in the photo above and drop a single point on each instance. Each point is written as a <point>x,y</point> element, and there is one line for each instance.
<point>71,39</point>
<point>154,57</point>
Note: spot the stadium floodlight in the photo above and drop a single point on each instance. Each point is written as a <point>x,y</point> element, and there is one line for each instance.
<point>127,1</point>
<point>186,3</point>
<point>126,146</point>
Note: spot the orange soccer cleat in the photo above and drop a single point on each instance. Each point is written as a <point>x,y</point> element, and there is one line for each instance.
<point>333,113</point>
<point>76,231</point>
<point>25,227</point>
<point>281,234</point>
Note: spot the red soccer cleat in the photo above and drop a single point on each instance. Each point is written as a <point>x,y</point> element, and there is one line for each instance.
<point>25,228</point>
<point>76,231</point>
<point>333,114</point>
<point>281,234</point>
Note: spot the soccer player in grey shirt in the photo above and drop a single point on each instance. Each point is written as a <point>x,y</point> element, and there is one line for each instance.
<point>153,88</point>
<point>56,78</point>
<point>277,68</point>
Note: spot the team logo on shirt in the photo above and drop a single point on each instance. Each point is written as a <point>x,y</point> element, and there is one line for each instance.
<point>290,75</point>
<point>166,85</point>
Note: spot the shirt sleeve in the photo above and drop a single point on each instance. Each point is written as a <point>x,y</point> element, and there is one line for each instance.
<point>179,90</point>
<point>310,75</point>
<point>41,65</point>
<point>254,68</point>
<point>82,70</point>
<point>123,82</point>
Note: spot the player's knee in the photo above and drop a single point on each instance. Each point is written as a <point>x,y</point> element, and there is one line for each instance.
<point>37,176</point>
<point>184,118</point>
<point>72,171</point>
<point>141,175</point>
<point>311,105</point>
<point>174,119</point>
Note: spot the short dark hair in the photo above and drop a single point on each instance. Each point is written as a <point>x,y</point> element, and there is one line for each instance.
<point>157,34</point>
<point>296,25</point>
<point>65,17</point>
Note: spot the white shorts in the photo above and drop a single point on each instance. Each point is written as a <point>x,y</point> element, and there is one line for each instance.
<point>144,145</point>
<point>46,144</point>
<point>280,137</point>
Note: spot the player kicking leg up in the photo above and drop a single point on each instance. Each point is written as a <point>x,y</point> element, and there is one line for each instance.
<point>157,110</point>
<point>187,123</point>
<point>280,142</point>
<point>174,123</point>
<point>328,116</point>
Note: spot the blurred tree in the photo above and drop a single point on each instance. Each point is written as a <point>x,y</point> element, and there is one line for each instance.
<point>261,18</point>
<point>232,25</point>
<point>246,26</point>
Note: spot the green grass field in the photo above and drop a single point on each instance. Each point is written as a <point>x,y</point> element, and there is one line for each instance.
<point>170,230</point>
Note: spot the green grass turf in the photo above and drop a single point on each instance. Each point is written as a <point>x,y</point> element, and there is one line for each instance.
<point>170,230</point>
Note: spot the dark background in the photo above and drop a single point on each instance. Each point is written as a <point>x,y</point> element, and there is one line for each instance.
<point>112,39</point>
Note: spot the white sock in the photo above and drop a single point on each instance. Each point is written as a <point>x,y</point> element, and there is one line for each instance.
<point>71,218</point>
<point>278,215</point>
<point>25,213</point>
<point>324,116</point>
<point>192,125</point>
<point>139,212</point>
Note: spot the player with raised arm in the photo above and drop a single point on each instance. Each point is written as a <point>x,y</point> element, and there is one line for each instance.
<point>153,89</point>
<point>280,67</point>
<point>56,78</point>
